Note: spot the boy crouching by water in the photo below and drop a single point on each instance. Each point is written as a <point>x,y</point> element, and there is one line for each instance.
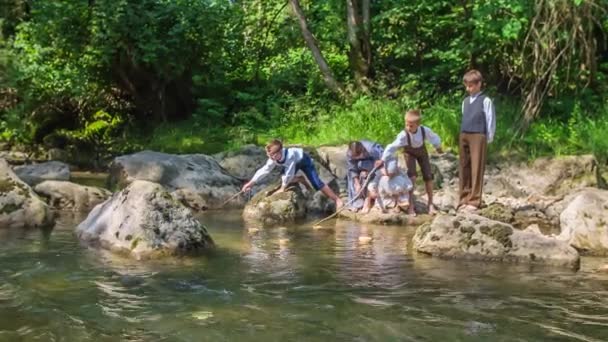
<point>392,188</point>
<point>412,140</point>
<point>291,160</point>
<point>360,158</point>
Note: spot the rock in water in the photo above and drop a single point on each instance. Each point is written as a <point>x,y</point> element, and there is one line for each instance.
<point>144,221</point>
<point>71,196</point>
<point>36,173</point>
<point>19,205</point>
<point>276,208</point>
<point>584,222</point>
<point>196,180</point>
<point>478,238</point>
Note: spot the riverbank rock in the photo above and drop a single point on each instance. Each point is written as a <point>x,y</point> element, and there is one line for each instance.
<point>144,221</point>
<point>243,162</point>
<point>376,216</point>
<point>196,179</point>
<point>544,176</point>
<point>71,196</point>
<point>478,238</point>
<point>584,222</point>
<point>36,173</point>
<point>19,205</point>
<point>334,157</point>
<point>272,208</point>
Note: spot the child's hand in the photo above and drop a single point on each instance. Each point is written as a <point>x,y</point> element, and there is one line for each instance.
<point>378,163</point>
<point>247,186</point>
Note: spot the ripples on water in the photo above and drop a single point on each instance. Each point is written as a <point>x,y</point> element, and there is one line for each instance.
<point>348,282</point>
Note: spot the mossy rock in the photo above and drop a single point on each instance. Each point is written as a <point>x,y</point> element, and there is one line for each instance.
<point>498,212</point>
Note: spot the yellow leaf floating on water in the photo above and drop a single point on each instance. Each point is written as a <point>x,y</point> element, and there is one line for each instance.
<point>253,230</point>
<point>202,315</point>
<point>317,226</point>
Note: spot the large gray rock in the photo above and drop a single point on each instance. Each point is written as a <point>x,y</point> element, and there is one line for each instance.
<point>144,221</point>
<point>478,238</point>
<point>584,222</point>
<point>244,162</point>
<point>545,176</point>
<point>197,180</point>
<point>271,208</point>
<point>19,205</point>
<point>36,173</point>
<point>334,157</point>
<point>71,196</point>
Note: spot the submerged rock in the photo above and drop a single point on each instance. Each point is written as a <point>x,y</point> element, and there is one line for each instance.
<point>36,173</point>
<point>197,180</point>
<point>144,221</point>
<point>479,238</point>
<point>71,196</point>
<point>19,205</point>
<point>584,222</point>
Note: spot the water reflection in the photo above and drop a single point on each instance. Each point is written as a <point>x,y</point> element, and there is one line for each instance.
<point>346,281</point>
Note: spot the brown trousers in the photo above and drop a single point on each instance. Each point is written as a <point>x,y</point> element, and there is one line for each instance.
<point>420,155</point>
<point>473,148</point>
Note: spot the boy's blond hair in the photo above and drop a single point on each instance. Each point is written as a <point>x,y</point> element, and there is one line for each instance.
<point>413,115</point>
<point>273,143</point>
<point>472,76</point>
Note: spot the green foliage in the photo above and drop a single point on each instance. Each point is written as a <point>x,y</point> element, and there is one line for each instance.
<point>202,76</point>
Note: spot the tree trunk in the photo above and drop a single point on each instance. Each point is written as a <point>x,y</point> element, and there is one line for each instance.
<point>359,54</point>
<point>328,75</point>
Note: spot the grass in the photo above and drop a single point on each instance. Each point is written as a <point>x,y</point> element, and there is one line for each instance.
<point>562,132</point>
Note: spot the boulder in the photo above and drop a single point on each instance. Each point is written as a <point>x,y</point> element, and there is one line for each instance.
<point>243,162</point>
<point>36,173</point>
<point>198,180</point>
<point>144,221</point>
<point>334,158</point>
<point>19,205</point>
<point>478,238</point>
<point>544,176</point>
<point>376,216</point>
<point>71,196</point>
<point>584,222</point>
<point>270,208</point>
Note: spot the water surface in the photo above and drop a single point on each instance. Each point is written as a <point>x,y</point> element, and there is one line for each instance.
<point>351,282</point>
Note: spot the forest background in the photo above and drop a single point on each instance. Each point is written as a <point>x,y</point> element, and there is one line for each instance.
<point>100,78</point>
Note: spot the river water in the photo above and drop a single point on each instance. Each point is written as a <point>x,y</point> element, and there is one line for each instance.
<point>348,282</point>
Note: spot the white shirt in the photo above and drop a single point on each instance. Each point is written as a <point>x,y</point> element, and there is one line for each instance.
<point>415,138</point>
<point>289,160</point>
<point>488,109</point>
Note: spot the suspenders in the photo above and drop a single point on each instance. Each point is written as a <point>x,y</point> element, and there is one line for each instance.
<point>409,140</point>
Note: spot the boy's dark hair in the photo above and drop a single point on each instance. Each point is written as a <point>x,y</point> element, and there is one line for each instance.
<point>355,148</point>
<point>472,76</point>
<point>272,143</point>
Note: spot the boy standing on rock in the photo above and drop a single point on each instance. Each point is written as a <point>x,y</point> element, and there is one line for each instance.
<point>476,131</point>
<point>412,139</point>
<point>292,160</point>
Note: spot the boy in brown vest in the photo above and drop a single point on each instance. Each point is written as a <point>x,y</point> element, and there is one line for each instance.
<point>476,131</point>
<point>412,140</point>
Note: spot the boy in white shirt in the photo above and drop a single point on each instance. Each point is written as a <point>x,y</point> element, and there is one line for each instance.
<point>291,160</point>
<point>412,140</point>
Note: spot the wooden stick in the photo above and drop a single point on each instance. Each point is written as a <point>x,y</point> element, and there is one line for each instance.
<point>230,199</point>
<point>369,177</point>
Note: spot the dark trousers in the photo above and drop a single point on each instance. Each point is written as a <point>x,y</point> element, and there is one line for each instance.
<point>472,166</point>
